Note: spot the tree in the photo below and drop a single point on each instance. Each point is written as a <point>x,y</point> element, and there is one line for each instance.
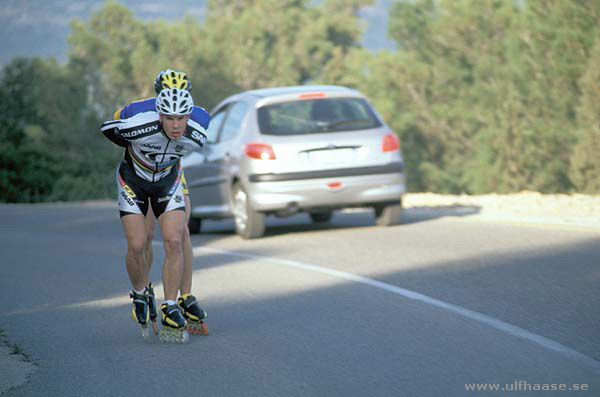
<point>27,170</point>
<point>585,162</point>
<point>101,52</point>
<point>496,102</point>
<point>48,148</point>
<point>271,42</point>
<point>450,60</point>
<point>555,42</point>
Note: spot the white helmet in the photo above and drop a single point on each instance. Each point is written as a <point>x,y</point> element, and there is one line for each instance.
<point>174,102</point>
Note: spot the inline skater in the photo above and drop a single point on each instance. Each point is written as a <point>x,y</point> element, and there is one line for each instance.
<point>150,176</point>
<point>170,78</point>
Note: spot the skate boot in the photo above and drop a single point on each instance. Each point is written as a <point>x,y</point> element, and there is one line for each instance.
<point>173,330</point>
<point>194,314</point>
<point>140,312</point>
<point>152,307</point>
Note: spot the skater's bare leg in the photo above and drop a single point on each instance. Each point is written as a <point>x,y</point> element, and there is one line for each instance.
<point>150,221</point>
<point>188,254</point>
<point>148,252</point>
<point>135,231</point>
<point>172,228</point>
<point>192,311</point>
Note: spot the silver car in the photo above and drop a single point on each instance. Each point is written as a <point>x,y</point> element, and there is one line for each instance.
<point>278,151</point>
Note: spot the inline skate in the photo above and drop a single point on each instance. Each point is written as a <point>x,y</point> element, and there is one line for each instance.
<point>152,307</point>
<point>174,325</point>
<point>140,312</point>
<point>194,314</point>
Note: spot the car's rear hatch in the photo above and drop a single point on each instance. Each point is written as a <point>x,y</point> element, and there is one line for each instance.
<point>322,132</point>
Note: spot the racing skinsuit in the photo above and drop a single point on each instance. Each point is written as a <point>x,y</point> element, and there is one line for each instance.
<point>150,172</point>
<point>199,115</point>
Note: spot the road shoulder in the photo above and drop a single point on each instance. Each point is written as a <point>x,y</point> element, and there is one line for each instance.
<point>15,367</point>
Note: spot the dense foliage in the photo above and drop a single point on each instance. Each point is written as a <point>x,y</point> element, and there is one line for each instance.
<point>485,95</point>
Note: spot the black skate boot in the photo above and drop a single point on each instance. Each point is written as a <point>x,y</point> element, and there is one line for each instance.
<point>173,330</point>
<point>194,314</point>
<point>152,307</point>
<point>140,312</point>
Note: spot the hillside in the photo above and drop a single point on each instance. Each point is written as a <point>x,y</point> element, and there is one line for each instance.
<point>35,28</point>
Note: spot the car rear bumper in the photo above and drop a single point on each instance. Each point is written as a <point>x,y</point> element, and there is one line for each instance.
<point>395,167</point>
<point>333,192</point>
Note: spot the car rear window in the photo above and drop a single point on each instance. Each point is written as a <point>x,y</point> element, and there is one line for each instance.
<point>316,116</point>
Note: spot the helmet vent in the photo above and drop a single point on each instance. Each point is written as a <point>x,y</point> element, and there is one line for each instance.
<point>174,102</point>
<point>170,78</point>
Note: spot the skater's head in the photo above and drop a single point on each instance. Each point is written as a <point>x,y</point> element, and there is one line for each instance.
<point>174,106</point>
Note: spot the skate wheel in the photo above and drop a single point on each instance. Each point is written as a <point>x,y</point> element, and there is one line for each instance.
<point>185,337</point>
<point>197,328</point>
<point>155,327</point>
<point>174,336</point>
<point>203,330</point>
<point>164,338</point>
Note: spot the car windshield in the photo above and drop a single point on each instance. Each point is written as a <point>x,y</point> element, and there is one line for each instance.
<point>316,116</point>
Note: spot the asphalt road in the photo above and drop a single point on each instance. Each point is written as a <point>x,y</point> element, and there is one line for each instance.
<point>344,309</point>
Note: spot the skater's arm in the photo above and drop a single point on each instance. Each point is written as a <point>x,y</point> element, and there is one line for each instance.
<point>122,132</point>
<point>196,133</point>
<point>110,129</point>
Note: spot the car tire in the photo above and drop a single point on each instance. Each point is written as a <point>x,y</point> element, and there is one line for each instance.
<point>388,215</point>
<point>249,223</point>
<point>194,225</point>
<point>321,217</point>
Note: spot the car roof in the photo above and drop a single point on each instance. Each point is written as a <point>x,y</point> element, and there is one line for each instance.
<point>298,89</point>
<point>264,96</point>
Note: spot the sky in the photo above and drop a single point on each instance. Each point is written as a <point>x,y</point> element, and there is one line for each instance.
<point>41,27</point>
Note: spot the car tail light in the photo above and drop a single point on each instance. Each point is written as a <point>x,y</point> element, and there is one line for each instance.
<point>259,151</point>
<point>390,143</point>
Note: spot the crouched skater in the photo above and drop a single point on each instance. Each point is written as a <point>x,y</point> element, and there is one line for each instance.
<point>150,175</point>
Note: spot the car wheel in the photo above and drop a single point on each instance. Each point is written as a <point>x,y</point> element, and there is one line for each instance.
<point>248,222</point>
<point>194,225</point>
<point>321,217</point>
<point>388,215</point>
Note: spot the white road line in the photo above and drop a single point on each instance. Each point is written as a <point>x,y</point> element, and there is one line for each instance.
<point>461,311</point>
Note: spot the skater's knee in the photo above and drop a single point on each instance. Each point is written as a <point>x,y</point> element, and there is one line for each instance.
<point>136,251</point>
<point>136,246</point>
<point>173,243</point>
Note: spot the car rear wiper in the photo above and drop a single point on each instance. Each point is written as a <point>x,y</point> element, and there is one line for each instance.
<point>339,123</point>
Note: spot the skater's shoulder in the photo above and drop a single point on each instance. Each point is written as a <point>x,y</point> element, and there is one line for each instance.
<point>141,118</point>
<point>135,107</point>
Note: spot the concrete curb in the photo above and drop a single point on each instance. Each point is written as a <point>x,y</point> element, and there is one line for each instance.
<point>573,211</point>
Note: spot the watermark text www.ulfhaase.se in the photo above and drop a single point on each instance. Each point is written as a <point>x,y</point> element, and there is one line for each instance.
<point>522,385</point>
